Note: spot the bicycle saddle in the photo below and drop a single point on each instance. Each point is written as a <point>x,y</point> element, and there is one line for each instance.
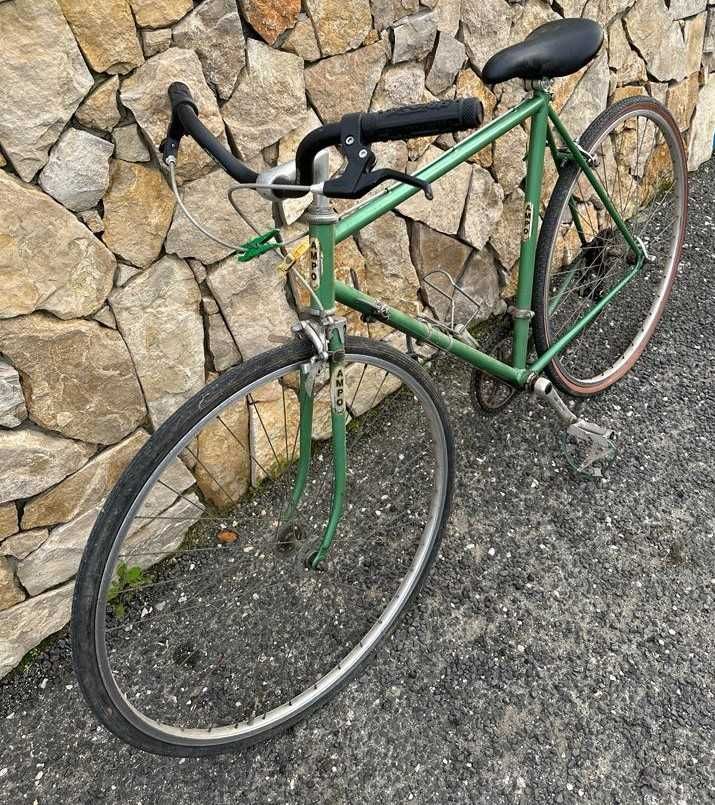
<point>555,49</point>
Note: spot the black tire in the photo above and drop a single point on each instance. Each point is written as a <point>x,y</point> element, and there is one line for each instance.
<point>563,377</point>
<point>97,554</point>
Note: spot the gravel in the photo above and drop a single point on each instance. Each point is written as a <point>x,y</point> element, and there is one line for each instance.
<point>562,651</point>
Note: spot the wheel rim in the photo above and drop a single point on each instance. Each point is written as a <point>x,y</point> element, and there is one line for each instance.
<point>650,149</point>
<point>108,624</point>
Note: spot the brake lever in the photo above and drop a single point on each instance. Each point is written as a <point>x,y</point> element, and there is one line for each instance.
<point>375,178</point>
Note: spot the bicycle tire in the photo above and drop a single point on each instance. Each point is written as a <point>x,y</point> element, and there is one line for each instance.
<point>101,697</point>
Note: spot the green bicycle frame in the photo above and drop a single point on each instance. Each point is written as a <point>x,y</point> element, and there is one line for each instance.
<point>325,234</point>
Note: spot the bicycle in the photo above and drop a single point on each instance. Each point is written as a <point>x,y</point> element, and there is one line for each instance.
<point>259,547</point>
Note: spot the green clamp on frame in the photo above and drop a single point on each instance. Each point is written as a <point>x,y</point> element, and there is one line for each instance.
<point>258,245</point>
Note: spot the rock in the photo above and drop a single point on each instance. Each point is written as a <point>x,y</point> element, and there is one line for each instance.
<point>448,60</point>
<point>77,377</point>
<point>58,558</point>
<point>391,275</point>
<point>156,41</point>
<point>486,26</point>
<point>43,77</point>
<point>12,402</point>
<point>145,94</point>
<point>506,237</point>
<point>158,13</point>
<point>385,12</point>
<point>302,40</point>
<point>345,83</point>
<point>100,110</point>
<point>221,344</point>
<point>8,520</point>
<point>444,213</point>
<point>274,420</point>
<point>10,591</point>
<point>38,460</point>
<point>214,31</point>
<point>434,252</point>
<point>106,33</point>
<point>448,14</point>
<point>207,199</point>
<point>702,127</point>
<point>137,212</point>
<point>129,145</point>
<point>340,25</point>
<point>77,172</point>
<point>22,545</point>
<point>29,623</point>
<point>223,467</point>
<point>158,315</point>
<point>399,85</point>
<point>509,158</point>
<point>681,100</point>
<point>253,302</point>
<point>483,208</point>
<point>686,8</point>
<point>413,38</point>
<point>172,482</point>
<point>589,98</point>
<point>48,259</point>
<point>270,18</point>
<point>480,283</point>
<point>199,270</point>
<point>694,42</point>
<point>269,99</point>
<point>105,316</point>
<point>162,537</point>
<point>658,39</point>
<point>527,18</point>
<point>124,274</point>
<point>628,65</point>
<point>92,220</point>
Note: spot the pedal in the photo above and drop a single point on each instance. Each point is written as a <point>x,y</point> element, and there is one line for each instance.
<point>588,448</point>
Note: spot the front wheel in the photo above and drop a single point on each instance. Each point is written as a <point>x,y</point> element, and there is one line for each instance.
<point>199,624</point>
<point>582,255</point>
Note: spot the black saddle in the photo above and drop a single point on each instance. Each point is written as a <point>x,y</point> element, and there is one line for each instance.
<point>556,49</point>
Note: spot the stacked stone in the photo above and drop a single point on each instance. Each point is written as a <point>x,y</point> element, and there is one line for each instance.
<point>114,310</point>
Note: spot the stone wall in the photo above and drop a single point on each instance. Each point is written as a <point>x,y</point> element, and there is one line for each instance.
<point>114,309</point>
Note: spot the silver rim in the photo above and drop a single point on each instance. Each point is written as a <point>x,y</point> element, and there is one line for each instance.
<point>251,730</point>
<point>664,286</point>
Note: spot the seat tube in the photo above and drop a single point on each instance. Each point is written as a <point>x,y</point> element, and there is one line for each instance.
<point>530,231</point>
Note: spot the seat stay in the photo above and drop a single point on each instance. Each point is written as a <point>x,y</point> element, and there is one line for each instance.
<point>578,156</point>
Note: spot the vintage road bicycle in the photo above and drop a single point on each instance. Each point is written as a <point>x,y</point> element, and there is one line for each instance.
<point>270,534</point>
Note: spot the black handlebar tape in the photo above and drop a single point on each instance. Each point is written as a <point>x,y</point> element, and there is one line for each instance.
<point>423,120</point>
<point>184,109</point>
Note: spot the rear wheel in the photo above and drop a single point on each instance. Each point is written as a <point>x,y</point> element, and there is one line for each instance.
<point>199,624</point>
<point>582,255</point>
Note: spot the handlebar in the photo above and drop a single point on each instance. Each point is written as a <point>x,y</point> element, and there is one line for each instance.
<point>185,120</point>
<point>351,134</point>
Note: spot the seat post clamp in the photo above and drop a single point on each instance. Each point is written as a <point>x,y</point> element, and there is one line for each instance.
<point>520,312</point>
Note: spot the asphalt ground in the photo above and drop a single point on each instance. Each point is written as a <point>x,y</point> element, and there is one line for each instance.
<point>562,651</point>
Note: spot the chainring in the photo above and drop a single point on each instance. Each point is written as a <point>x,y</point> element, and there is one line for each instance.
<point>489,394</point>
